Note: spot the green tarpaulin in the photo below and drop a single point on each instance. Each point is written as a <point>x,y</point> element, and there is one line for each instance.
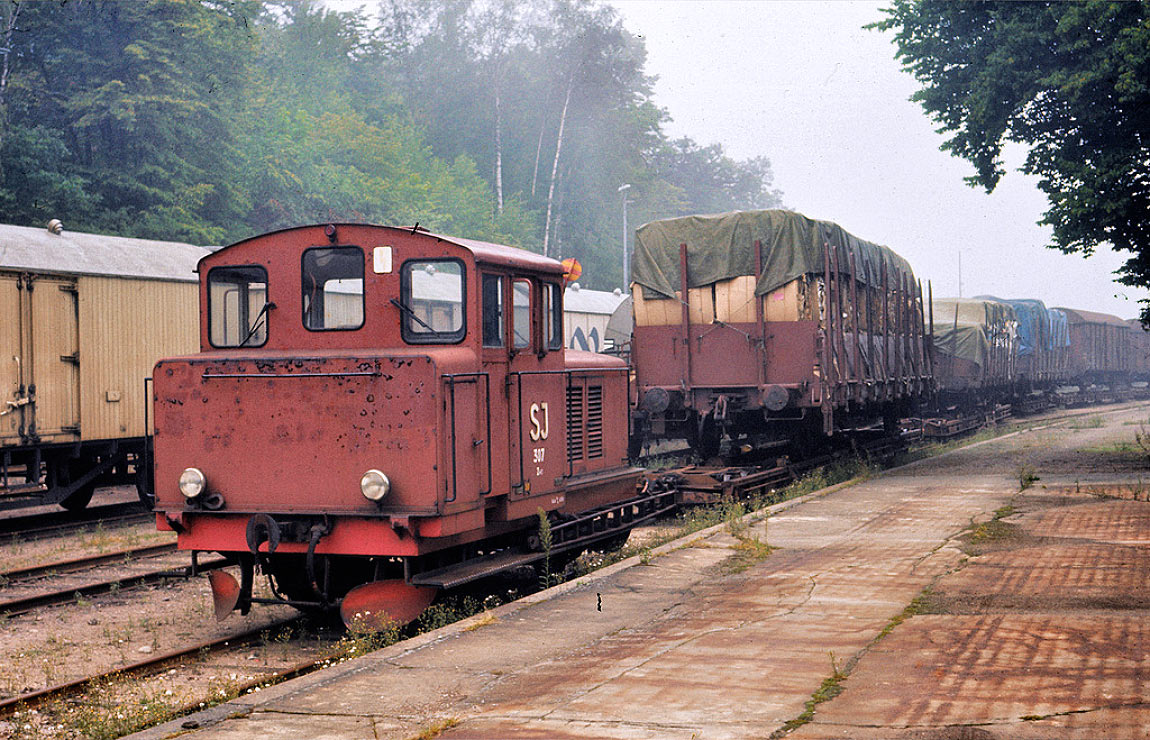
<point>990,313</point>
<point>966,327</point>
<point>965,341</point>
<point>722,246</point>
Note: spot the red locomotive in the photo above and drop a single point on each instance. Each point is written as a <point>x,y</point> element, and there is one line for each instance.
<point>377,412</point>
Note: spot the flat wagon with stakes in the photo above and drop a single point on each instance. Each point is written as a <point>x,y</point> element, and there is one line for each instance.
<point>769,324</point>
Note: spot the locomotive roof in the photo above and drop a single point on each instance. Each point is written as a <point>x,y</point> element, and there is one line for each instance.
<point>1078,316</point>
<point>500,254</point>
<point>76,253</point>
<point>722,246</point>
<point>486,252</point>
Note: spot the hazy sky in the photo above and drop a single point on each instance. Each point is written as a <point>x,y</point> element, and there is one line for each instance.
<point>803,84</point>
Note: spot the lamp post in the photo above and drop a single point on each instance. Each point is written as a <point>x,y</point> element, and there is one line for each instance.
<point>626,262</point>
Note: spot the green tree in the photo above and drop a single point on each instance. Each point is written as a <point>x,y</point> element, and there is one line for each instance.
<point>326,138</point>
<point>550,99</point>
<point>712,182</point>
<point>1071,81</point>
<point>132,102</point>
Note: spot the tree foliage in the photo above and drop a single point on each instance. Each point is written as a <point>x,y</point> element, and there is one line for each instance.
<point>1071,81</point>
<point>208,120</point>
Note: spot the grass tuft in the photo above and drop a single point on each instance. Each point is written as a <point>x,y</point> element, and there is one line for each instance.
<point>436,729</point>
<point>1027,477</point>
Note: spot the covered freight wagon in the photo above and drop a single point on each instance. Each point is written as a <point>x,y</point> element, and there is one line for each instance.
<point>1101,348</point>
<point>769,322</point>
<point>1042,342</point>
<point>1140,349</point>
<point>975,343</point>
<point>85,317</point>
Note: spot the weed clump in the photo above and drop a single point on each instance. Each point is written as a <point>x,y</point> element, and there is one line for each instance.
<point>1027,477</point>
<point>986,534</point>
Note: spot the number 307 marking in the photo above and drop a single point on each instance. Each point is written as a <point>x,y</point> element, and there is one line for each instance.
<point>539,452</point>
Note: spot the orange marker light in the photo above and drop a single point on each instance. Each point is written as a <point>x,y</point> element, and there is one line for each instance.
<point>571,270</point>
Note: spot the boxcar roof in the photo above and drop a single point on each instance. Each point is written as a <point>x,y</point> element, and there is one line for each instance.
<point>31,249</point>
<point>1078,316</point>
<point>582,300</point>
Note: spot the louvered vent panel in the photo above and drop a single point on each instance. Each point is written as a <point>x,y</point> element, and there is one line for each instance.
<point>594,421</point>
<point>575,423</point>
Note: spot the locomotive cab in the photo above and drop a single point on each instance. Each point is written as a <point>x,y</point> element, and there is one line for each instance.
<point>379,412</point>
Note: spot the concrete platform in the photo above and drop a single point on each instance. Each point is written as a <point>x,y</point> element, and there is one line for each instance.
<point>882,614</point>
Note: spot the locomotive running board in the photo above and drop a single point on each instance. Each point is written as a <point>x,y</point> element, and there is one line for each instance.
<point>580,532</point>
<point>473,570</point>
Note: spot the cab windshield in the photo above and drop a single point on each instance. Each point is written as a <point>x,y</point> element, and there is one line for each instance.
<point>237,306</point>
<point>432,299</point>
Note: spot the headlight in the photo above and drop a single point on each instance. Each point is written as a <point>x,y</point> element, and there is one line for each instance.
<point>192,482</point>
<point>374,485</point>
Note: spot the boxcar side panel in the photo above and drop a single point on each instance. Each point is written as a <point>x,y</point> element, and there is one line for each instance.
<point>126,326</point>
<point>54,367</point>
<point>10,359</point>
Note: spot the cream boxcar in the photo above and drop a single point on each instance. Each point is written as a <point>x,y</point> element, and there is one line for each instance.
<point>586,314</point>
<point>83,319</point>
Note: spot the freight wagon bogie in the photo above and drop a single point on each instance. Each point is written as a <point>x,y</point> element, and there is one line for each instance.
<point>383,397</point>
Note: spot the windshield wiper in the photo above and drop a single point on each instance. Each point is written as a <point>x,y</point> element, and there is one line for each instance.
<point>258,320</point>
<point>395,302</point>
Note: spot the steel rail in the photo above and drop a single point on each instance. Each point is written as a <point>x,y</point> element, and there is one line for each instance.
<point>32,698</point>
<point>73,565</point>
<point>51,524</point>
<point>26,604</point>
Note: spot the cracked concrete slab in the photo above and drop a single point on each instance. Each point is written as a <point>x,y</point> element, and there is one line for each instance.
<point>270,726</point>
<point>683,648</point>
<point>1042,633</point>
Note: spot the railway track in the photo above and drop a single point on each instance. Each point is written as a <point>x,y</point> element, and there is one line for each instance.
<point>55,523</point>
<point>72,565</point>
<point>243,641</point>
<point>24,604</point>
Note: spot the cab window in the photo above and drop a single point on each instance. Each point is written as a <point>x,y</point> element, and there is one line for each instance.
<point>432,300</point>
<point>332,288</point>
<point>521,313</point>
<point>238,306</point>
<point>493,311</point>
<point>553,312</point>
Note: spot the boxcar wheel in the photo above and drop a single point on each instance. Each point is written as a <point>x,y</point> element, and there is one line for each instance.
<point>69,471</point>
<point>79,498</point>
